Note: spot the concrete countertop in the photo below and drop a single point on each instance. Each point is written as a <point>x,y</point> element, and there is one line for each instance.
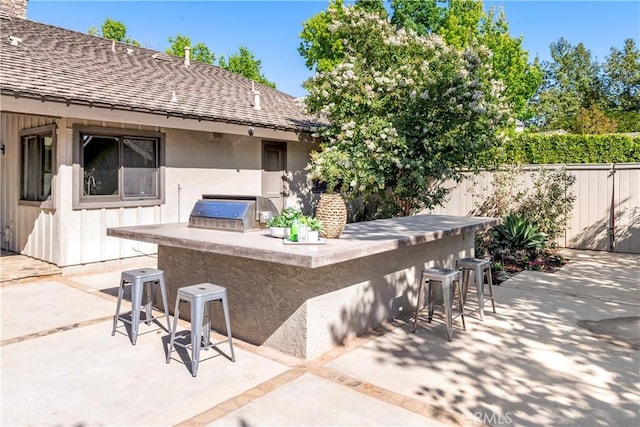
<point>357,240</point>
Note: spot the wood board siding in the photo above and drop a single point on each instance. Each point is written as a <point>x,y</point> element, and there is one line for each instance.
<point>605,214</point>
<point>30,229</point>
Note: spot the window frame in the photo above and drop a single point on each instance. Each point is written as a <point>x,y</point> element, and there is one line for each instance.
<point>81,201</point>
<point>39,132</point>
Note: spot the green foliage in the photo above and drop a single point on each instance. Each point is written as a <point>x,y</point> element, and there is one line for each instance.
<point>312,222</point>
<point>547,202</point>
<point>113,30</point>
<point>322,44</point>
<point>245,64</point>
<point>423,17</point>
<point>518,233</point>
<point>567,148</point>
<point>593,121</point>
<point>570,82</point>
<point>405,112</point>
<point>531,215</point>
<point>285,218</point>
<point>376,6</point>
<point>628,121</point>
<point>622,78</point>
<point>574,82</point>
<point>511,63</point>
<point>198,52</point>
<point>461,23</point>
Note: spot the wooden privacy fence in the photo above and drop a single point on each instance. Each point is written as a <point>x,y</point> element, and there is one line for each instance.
<point>605,214</point>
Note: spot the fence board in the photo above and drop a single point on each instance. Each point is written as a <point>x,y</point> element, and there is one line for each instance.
<point>605,194</point>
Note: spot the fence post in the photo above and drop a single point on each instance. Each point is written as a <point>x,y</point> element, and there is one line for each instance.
<point>612,213</point>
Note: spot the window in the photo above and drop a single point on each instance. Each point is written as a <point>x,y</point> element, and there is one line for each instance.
<point>118,167</point>
<point>36,163</point>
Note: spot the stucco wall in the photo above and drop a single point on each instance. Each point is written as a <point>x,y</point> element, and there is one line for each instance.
<point>302,311</point>
<point>198,164</point>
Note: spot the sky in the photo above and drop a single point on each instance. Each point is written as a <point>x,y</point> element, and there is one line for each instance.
<point>270,29</point>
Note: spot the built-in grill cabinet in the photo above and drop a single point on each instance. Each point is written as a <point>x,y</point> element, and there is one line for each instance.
<point>232,213</point>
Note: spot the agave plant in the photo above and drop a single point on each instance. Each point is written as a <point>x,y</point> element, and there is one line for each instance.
<point>518,233</point>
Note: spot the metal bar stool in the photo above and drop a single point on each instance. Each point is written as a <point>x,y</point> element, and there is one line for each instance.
<point>142,281</point>
<point>449,280</point>
<point>480,269</point>
<point>200,296</point>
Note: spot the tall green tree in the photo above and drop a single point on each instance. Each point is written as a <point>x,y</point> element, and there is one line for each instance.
<point>423,17</point>
<point>461,23</point>
<point>571,82</point>
<point>511,63</point>
<point>376,6</point>
<point>198,52</point>
<point>592,121</point>
<point>321,44</point>
<point>113,30</point>
<point>245,64</point>
<point>622,78</point>
<point>405,113</point>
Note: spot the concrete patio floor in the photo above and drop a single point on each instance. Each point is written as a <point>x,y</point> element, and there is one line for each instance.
<point>562,349</point>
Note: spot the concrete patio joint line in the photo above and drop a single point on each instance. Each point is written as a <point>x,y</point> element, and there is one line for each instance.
<point>54,331</point>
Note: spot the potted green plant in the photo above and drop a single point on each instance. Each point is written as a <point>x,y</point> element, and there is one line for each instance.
<point>280,224</point>
<point>328,167</point>
<point>314,228</point>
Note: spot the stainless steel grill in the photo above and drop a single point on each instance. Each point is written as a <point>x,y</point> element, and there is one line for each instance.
<point>232,213</point>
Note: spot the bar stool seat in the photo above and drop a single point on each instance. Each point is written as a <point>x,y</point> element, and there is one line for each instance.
<point>142,281</point>
<point>200,296</point>
<point>481,268</point>
<point>449,280</point>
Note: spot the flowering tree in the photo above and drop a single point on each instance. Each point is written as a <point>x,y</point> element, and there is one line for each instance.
<point>405,112</point>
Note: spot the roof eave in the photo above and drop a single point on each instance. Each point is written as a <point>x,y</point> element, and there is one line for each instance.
<point>161,112</point>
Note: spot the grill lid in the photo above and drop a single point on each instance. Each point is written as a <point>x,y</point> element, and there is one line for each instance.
<point>232,213</point>
<point>220,209</point>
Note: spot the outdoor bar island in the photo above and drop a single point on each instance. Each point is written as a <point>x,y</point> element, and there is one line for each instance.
<point>305,299</point>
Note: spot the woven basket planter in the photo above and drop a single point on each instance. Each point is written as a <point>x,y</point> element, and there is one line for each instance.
<point>332,211</point>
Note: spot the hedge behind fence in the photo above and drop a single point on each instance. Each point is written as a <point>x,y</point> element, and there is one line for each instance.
<point>569,148</point>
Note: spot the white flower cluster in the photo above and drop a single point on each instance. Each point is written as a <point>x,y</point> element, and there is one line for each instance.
<point>402,107</point>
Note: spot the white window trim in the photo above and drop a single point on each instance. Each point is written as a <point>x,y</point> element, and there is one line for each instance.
<point>41,130</point>
<point>94,202</point>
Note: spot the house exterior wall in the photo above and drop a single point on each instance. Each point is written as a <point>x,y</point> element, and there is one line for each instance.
<point>30,228</point>
<point>196,163</point>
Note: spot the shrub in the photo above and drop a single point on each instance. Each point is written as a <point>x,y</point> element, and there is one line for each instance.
<point>518,233</point>
<point>568,148</point>
<point>530,215</point>
<point>549,203</point>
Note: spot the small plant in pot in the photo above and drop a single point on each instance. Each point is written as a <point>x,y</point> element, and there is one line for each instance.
<point>280,224</point>
<point>314,228</point>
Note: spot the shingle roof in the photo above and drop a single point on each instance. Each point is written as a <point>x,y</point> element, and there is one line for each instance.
<point>56,64</point>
